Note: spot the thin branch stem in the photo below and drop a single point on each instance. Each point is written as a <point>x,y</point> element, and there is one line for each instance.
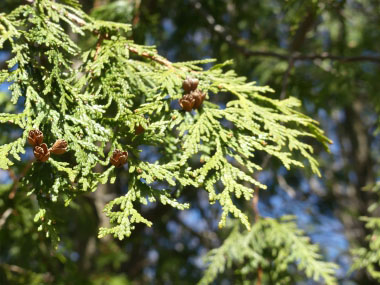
<point>99,44</point>
<point>327,56</point>
<point>159,59</point>
<point>5,216</point>
<point>259,275</point>
<point>72,17</point>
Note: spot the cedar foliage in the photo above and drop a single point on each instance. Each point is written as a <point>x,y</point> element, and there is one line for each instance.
<point>272,246</point>
<point>369,258</point>
<point>95,98</point>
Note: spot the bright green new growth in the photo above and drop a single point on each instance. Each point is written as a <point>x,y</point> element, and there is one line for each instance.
<point>95,98</point>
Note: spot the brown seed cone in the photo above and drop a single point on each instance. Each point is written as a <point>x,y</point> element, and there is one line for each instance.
<point>139,130</point>
<point>190,84</point>
<point>187,102</point>
<point>199,97</point>
<point>119,158</point>
<point>35,137</point>
<point>41,152</point>
<point>59,147</point>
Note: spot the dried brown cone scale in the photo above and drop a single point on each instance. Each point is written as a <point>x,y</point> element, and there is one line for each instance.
<point>41,153</point>
<point>119,158</point>
<point>187,102</point>
<point>139,130</point>
<point>59,147</point>
<point>35,137</point>
<point>190,84</point>
<point>199,97</point>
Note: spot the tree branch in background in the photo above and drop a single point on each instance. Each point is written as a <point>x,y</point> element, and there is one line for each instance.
<point>222,31</point>
<point>285,78</point>
<point>295,46</point>
<point>5,216</point>
<point>205,239</point>
<point>17,180</point>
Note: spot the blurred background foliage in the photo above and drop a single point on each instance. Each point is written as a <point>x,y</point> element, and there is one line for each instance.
<point>326,53</point>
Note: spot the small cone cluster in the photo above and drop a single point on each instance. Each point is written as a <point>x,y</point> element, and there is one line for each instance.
<point>41,152</point>
<point>119,158</point>
<point>40,149</point>
<point>193,97</point>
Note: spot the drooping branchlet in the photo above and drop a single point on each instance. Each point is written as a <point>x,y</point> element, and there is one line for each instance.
<point>119,158</point>
<point>35,137</point>
<point>41,152</point>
